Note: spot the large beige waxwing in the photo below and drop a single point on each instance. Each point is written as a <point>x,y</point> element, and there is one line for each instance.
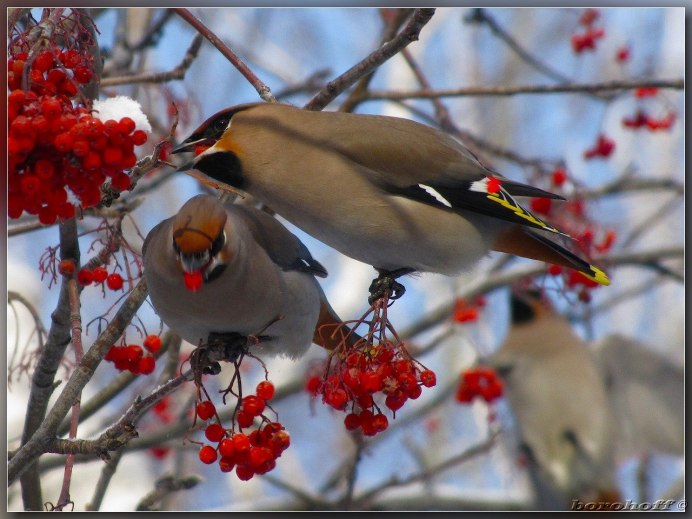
<point>254,279</point>
<point>393,193</point>
<point>564,420</point>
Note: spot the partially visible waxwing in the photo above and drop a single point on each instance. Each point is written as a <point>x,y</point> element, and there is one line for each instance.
<point>396,194</point>
<point>247,276</point>
<point>647,393</point>
<point>560,405</point>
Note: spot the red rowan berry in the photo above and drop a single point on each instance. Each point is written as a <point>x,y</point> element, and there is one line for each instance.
<point>205,410</point>
<point>114,281</point>
<point>207,454</point>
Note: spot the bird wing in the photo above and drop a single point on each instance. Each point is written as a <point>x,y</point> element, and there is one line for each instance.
<point>416,161</point>
<point>283,247</point>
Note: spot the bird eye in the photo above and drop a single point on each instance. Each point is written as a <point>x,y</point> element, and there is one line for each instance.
<point>221,124</point>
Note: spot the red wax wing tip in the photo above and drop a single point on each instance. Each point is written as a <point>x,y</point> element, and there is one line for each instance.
<point>193,280</point>
<point>494,185</point>
<point>201,148</point>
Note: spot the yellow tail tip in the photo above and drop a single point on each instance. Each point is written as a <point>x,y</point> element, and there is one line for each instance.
<point>599,276</point>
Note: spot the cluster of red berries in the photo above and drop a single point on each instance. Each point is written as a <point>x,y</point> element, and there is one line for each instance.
<point>587,39</point>
<point>249,454</point>
<point>603,147</point>
<point>132,358</point>
<point>53,145</point>
<point>479,382</point>
<point>98,275</point>
<point>643,120</point>
<point>86,277</point>
<point>52,71</point>
<point>361,375</point>
<point>465,311</point>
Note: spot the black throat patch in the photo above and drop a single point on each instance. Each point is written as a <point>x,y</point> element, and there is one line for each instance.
<point>224,167</point>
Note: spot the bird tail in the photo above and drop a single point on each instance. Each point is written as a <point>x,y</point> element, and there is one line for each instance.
<point>331,332</point>
<point>525,242</point>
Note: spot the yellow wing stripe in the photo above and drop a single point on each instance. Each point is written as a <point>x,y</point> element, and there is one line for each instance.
<point>507,202</point>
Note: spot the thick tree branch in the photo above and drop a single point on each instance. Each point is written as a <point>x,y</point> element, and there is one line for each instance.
<point>40,439</point>
<point>50,357</point>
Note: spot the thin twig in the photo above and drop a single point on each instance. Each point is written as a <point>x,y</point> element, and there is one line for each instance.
<point>262,89</point>
<point>178,73</point>
<point>352,472</point>
<point>648,259</point>
<point>407,36</point>
<point>119,383</point>
<point>390,32</point>
<point>107,473</point>
<point>480,15</point>
<point>76,326</point>
<point>164,486</point>
<point>425,474</point>
<point>606,86</point>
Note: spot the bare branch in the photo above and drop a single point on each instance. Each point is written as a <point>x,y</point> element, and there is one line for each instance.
<point>396,481</point>
<point>36,445</point>
<point>47,366</point>
<point>164,486</point>
<point>410,34</point>
<point>606,86</point>
<point>480,16</point>
<point>262,89</point>
<point>178,73</point>
<point>646,258</point>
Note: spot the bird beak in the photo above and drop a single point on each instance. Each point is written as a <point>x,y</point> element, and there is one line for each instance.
<point>188,145</point>
<point>193,263</point>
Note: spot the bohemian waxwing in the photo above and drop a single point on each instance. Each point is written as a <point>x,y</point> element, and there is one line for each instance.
<point>560,404</point>
<point>647,394</point>
<point>390,192</point>
<point>257,279</point>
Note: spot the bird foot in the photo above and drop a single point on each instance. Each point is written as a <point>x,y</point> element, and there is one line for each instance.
<point>386,285</point>
<point>225,346</point>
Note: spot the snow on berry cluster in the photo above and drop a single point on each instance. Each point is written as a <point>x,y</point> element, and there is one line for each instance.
<point>355,381</point>
<point>55,145</point>
<point>249,453</point>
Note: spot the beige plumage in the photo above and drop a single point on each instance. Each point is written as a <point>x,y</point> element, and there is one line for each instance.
<point>390,192</point>
<point>258,278</point>
<point>563,416</point>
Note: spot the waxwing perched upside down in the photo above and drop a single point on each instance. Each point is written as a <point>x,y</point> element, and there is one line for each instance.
<point>255,279</point>
<point>390,192</point>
